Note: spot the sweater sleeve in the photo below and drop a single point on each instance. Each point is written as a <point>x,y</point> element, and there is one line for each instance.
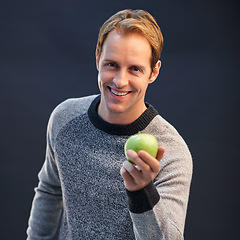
<point>158,211</point>
<point>47,203</point>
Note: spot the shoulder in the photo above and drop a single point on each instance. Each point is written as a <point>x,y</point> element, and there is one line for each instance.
<point>73,106</point>
<point>165,131</point>
<point>66,111</point>
<point>176,149</point>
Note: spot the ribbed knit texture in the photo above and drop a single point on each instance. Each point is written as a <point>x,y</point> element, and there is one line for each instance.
<point>143,200</point>
<point>81,188</point>
<point>130,129</point>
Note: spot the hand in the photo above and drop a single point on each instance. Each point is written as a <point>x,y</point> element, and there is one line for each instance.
<point>140,175</point>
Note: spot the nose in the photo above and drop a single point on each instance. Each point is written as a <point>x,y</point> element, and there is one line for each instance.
<point>120,79</point>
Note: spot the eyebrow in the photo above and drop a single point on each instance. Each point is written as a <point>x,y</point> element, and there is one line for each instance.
<point>109,60</point>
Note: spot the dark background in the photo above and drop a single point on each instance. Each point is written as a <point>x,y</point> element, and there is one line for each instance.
<point>47,55</point>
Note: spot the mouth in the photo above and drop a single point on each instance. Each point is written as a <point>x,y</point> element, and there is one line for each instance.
<point>119,93</point>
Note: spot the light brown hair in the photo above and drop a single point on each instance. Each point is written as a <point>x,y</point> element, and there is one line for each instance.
<point>133,21</point>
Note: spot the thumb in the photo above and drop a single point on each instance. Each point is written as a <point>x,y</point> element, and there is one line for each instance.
<point>160,154</point>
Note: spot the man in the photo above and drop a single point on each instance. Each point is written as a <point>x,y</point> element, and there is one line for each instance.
<point>80,189</point>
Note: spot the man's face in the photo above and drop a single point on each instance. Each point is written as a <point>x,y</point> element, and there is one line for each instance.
<point>124,74</point>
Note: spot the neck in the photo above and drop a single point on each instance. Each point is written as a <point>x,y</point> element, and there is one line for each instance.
<point>120,129</point>
<point>120,118</point>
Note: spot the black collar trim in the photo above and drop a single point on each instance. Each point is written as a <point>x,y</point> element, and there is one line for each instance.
<point>118,129</point>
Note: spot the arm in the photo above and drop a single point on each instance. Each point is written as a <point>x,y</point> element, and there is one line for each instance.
<point>47,203</point>
<point>158,208</point>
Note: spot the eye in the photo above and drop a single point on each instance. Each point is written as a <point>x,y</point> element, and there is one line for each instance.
<point>135,69</point>
<point>111,65</point>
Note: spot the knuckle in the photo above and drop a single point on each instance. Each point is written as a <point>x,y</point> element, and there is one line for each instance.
<point>146,168</point>
<point>131,169</point>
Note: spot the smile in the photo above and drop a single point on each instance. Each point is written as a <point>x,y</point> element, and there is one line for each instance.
<point>117,93</point>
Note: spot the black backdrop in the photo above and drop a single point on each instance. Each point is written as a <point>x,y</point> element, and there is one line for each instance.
<point>47,55</point>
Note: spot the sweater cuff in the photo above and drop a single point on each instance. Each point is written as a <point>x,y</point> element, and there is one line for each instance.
<point>143,200</point>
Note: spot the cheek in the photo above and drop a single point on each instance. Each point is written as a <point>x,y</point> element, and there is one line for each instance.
<point>141,84</point>
<point>99,82</point>
<point>104,77</point>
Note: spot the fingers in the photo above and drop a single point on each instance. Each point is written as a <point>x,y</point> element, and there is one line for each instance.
<point>135,172</point>
<point>129,181</point>
<point>160,154</point>
<point>126,176</point>
<point>145,161</point>
<point>144,169</point>
<point>133,178</point>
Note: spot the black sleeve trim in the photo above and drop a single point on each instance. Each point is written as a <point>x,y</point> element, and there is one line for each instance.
<point>143,200</point>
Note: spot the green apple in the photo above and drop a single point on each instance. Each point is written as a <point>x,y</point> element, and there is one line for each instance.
<point>141,141</point>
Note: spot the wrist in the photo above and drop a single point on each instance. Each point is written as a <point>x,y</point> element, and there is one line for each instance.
<point>144,199</point>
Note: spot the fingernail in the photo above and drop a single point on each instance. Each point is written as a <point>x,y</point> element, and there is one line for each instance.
<point>127,164</point>
<point>122,170</point>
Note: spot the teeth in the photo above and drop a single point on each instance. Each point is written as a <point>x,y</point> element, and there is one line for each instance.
<point>118,93</point>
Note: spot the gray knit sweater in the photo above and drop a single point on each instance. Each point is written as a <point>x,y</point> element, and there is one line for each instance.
<point>81,191</point>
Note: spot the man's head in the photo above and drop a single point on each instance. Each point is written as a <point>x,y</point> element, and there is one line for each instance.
<point>133,21</point>
<point>127,57</point>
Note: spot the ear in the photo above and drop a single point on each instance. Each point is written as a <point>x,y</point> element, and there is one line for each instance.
<point>155,72</point>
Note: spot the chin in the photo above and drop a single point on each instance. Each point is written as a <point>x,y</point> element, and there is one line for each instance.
<point>115,109</point>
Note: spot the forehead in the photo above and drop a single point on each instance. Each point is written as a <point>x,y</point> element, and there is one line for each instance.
<point>130,46</point>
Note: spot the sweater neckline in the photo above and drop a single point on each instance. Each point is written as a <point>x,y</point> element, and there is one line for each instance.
<point>118,129</point>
